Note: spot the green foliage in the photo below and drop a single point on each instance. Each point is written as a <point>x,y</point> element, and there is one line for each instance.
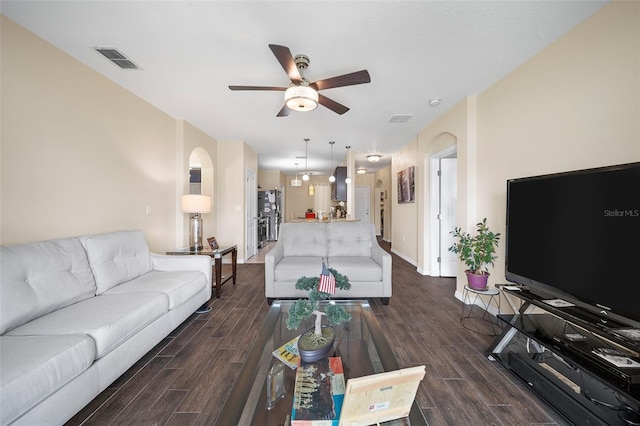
<point>476,252</point>
<point>304,308</point>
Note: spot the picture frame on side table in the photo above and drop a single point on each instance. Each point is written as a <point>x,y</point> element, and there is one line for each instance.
<point>213,243</point>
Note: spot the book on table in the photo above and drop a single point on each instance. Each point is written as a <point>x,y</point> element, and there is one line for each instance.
<point>288,353</point>
<point>318,393</point>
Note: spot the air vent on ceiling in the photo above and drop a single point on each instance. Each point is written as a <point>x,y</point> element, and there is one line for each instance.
<point>400,118</point>
<point>117,58</point>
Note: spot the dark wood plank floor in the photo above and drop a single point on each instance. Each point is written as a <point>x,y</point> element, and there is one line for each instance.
<point>186,379</point>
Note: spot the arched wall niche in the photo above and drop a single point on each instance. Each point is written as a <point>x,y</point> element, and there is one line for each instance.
<point>200,159</point>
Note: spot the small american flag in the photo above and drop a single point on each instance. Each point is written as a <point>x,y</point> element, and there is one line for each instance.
<point>327,281</point>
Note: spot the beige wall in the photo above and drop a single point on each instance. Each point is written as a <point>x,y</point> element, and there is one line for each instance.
<point>404,235</point>
<point>81,155</point>
<point>297,200</point>
<point>574,105</point>
<point>271,179</point>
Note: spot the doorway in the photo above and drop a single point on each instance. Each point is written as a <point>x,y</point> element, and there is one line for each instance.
<point>363,200</point>
<point>442,216</point>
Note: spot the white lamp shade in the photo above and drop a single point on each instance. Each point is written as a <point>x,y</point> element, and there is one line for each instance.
<point>194,203</point>
<point>301,98</point>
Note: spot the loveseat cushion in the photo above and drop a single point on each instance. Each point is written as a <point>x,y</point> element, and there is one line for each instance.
<point>304,239</point>
<point>178,286</point>
<point>292,268</point>
<point>349,239</point>
<point>108,319</point>
<point>33,367</point>
<point>38,278</point>
<point>357,268</point>
<point>117,257</point>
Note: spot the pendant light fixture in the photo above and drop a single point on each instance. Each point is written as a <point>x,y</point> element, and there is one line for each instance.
<point>296,181</point>
<point>348,179</point>
<point>311,190</point>
<point>305,176</point>
<point>332,178</point>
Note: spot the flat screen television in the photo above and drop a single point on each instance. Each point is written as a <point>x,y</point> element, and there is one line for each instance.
<point>576,236</point>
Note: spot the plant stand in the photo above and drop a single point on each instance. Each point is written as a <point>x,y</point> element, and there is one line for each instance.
<point>472,297</point>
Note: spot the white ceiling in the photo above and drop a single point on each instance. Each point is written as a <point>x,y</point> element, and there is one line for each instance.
<point>190,51</point>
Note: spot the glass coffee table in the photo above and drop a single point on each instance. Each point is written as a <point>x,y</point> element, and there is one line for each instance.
<point>360,343</point>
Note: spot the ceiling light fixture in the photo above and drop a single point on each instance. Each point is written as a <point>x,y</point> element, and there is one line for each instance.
<point>301,98</point>
<point>435,101</point>
<point>296,181</point>
<point>332,178</point>
<point>373,158</point>
<point>361,171</point>
<point>305,176</point>
<point>311,190</point>
<point>348,179</point>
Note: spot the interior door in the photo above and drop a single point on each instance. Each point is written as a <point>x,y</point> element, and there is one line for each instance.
<point>448,183</point>
<point>362,204</point>
<point>252,214</point>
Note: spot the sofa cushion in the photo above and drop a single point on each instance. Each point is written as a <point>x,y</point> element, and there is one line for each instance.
<point>108,319</point>
<point>304,239</point>
<point>33,367</point>
<point>292,268</point>
<point>357,268</point>
<point>179,286</point>
<point>349,239</point>
<point>117,257</point>
<point>38,278</point>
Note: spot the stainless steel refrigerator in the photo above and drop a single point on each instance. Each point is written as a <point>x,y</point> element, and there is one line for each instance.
<point>269,213</point>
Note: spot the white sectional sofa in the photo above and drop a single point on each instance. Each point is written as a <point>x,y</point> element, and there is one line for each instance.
<point>351,248</point>
<point>76,313</point>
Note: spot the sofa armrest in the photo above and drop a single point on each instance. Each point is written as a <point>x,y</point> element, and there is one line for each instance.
<point>271,259</point>
<point>201,263</point>
<point>381,257</point>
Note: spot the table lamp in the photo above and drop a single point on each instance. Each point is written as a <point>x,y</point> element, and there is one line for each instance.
<point>195,203</point>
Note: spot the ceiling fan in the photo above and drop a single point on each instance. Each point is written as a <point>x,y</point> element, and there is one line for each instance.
<point>301,95</point>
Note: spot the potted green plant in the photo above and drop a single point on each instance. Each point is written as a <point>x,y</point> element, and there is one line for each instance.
<point>476,252</point>
<point>317,342</point>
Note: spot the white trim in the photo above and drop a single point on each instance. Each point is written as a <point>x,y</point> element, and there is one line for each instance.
<point>404,257</point>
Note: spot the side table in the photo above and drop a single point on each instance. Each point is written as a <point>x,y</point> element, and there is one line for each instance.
<point>469,298</point>
<point>216,255</point>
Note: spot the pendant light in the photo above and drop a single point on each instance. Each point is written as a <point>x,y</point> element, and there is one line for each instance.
<point>348,179</point>
<point>332,178</point>
<point>311,190</point>
<point>296,181</point>
<point>305,176</point>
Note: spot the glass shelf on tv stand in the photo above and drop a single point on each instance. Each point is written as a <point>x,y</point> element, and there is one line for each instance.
<point>569,333</point>
<point>606,327</point>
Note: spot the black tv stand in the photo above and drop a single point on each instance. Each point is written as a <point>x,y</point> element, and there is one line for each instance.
<point>565,355</point>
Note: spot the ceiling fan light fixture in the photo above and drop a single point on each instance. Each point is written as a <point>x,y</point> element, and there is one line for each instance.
<point>301,98</point>
<point>373,158</point>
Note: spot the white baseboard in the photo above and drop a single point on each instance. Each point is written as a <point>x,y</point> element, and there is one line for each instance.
<point>404,257</point>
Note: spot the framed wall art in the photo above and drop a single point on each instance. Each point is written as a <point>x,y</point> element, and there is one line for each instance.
<point>406,185</point>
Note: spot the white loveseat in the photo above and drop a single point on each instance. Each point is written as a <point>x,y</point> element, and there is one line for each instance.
<point>76,313</point>
<point>351,248</point>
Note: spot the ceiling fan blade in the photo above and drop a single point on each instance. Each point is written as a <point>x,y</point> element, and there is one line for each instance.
<point>332,105</point>
<point>283,55</point>
<point>284,111</point>
<point>276,89</point>
<point>358,77</point>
